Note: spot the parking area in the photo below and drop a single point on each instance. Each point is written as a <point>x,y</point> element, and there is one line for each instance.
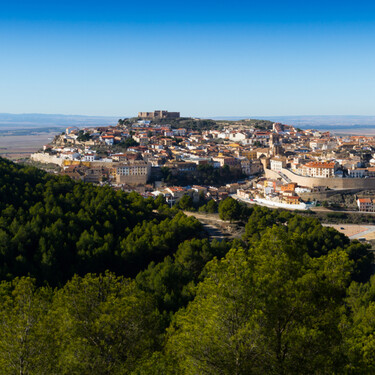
<point>354,231</point>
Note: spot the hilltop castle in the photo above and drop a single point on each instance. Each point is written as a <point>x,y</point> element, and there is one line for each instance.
<point>159,115</point>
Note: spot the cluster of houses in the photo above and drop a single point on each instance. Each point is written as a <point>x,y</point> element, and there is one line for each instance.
<point>366,204</point>
<point>274,191</point>
<point>129,155</point>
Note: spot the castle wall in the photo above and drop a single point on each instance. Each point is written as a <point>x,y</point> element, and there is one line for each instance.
<point>46,159</point>
<point>323,195</point>
<point>132,179</point>
<point>331,182</point>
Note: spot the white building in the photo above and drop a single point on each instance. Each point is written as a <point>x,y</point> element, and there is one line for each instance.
<point>132,172</point>
<point>357,173</point>
<point>365,204</point>
<point>89,157</point>
<point>319,169</point>
<point>237,136</point>
<point>276,164</point>
<point>181,132</point>
<point>302,189</point>
<point>108,139</point>
<point>245,166</point>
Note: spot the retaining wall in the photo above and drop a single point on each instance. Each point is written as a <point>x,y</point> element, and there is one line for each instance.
<point>331,183</point>
<point>46,159</point>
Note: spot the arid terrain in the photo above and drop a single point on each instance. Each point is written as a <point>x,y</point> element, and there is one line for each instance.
<point>20,146</point>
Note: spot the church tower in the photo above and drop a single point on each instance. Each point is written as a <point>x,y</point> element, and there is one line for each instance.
<point>275,145</point>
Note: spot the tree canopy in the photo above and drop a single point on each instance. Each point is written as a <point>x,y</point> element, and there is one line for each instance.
<point>270,309</point>
<point>52,228</point>
<point>97,281</point>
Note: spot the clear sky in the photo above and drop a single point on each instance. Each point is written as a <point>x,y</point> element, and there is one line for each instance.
<point>202,58</point>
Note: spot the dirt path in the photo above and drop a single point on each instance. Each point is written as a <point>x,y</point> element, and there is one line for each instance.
<point>217,228</point>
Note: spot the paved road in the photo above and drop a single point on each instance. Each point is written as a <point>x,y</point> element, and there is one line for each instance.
<point>322,209</point>
<point>217,228</point>
<point>354,231</point>
<point>315,209</point>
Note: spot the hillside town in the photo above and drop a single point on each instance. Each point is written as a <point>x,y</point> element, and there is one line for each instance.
<point>275,164</point>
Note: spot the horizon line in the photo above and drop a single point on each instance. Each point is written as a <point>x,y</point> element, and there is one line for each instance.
<point>191,116</point>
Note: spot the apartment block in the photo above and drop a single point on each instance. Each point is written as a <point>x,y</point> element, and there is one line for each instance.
<point>132,173</point>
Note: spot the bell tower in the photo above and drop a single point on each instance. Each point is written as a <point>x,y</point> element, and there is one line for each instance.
<point>275,145</point>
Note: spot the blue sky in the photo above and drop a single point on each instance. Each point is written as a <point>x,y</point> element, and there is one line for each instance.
<point>203,58</point>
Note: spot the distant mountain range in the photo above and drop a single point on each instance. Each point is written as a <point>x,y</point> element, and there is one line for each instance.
<point>37,120</point>
<point>317,122</point>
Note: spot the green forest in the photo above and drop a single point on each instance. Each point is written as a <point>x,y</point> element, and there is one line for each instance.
<point>196,124</point>
<point>204,175</point>
<point>98,281</point>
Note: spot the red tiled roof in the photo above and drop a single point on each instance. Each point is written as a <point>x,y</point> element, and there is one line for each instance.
<point>319,164</point>
<point>364,200</point>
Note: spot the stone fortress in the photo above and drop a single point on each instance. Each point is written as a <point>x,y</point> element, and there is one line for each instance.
<point>158,115</point>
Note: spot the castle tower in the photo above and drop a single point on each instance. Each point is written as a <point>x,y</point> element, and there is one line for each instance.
<point>275,145</point>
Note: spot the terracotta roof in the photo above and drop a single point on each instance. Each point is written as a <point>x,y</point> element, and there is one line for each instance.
<point>364,200</point>
<point>318,164</point>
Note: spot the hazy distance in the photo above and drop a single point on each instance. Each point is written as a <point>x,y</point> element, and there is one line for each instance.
<point>36,120</point>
